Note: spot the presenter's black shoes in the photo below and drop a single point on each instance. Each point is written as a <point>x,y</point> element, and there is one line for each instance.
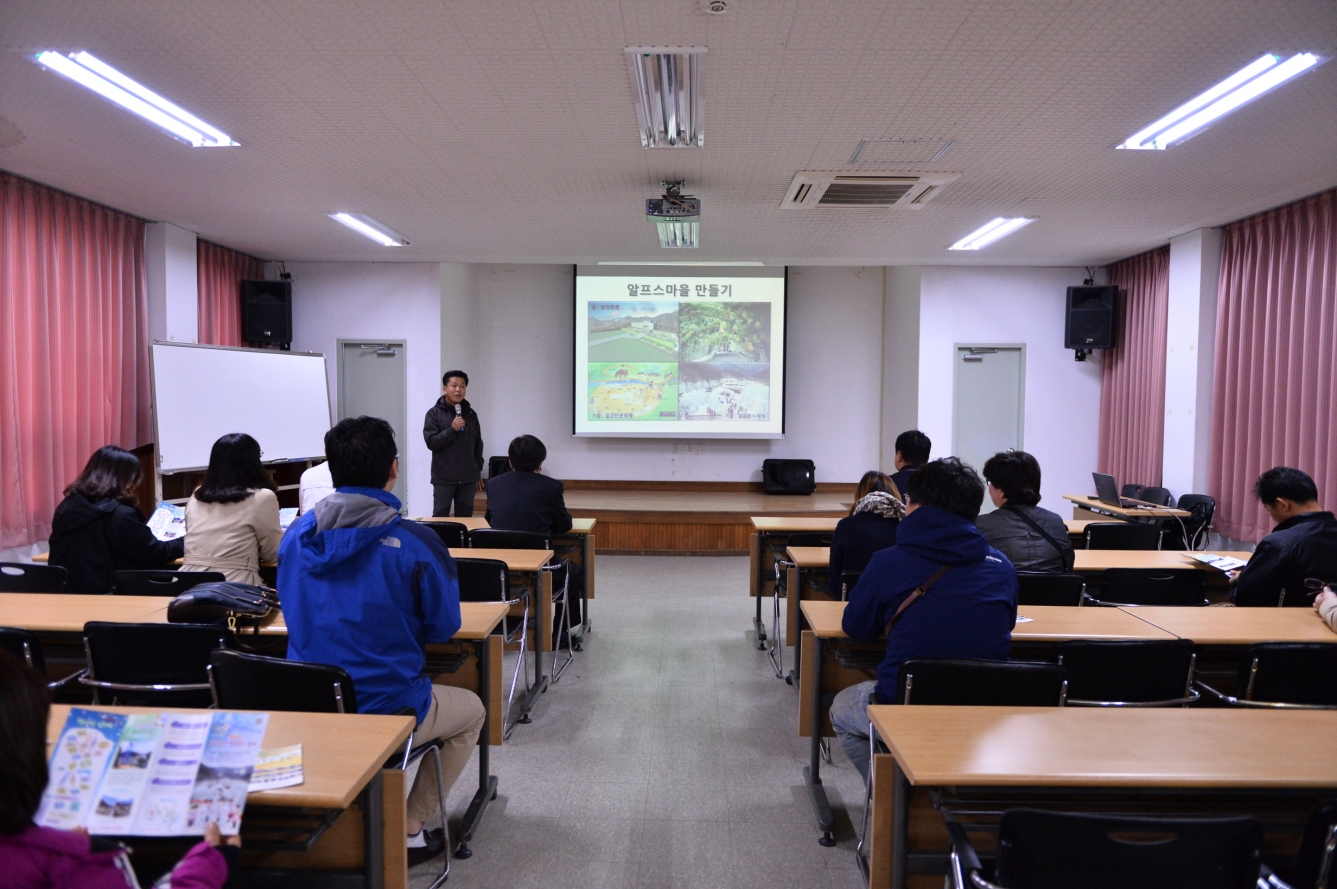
<point>426,845</point>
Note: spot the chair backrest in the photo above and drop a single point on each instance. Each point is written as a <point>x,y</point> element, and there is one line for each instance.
<point>453,534</point>
<point>1314,864</point>
<point>1152,586</point>
<point>1122,535</point>
<point>848,581</point>
<point>974,683</point>
<point>1133,492</point>
<point>1199,523</point>
<point>491,538</point>
<point>161,583</point>
<point>1146,673</point>
<point>809,538</point>
<point>138,657</point>
<point>1049,589</point>
<point>483,580</point>
<point>1289,673</point>
<point>1159,496</point>
<point>1059,850</point>
<point>25,646</point>
<point>20,577</point>
<point>249,682</point>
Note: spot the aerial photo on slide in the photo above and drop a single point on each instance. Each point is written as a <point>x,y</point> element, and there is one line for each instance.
<point>633,391</point>
<point>725,361</point>
<point>633,331</point>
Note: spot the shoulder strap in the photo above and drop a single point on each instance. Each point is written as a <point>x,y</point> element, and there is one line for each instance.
<point>915,596</point>
<point>1062,553</point>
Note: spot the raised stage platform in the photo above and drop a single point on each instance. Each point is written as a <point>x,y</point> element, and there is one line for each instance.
<point>688,518</point>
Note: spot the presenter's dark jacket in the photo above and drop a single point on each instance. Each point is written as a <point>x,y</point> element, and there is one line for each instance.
<point>527,501</point>
<point>456,456</point>
<point>1303,546</point>
<point>92,540</point>
<point>968,613</point>
<point>855,540</point>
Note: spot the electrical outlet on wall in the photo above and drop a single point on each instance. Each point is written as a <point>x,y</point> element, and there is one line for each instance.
<point>675,447</point>
<point>687,449</point>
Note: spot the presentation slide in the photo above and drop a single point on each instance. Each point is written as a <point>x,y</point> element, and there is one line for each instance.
<point>680,352</point>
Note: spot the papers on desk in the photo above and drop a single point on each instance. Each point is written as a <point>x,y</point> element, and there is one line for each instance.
<point>287,516</point>
<point>1219,562</point>
<point>151,774</point>
<point>280,767</point>
<point>168,522</point>
<point>1024,620</point>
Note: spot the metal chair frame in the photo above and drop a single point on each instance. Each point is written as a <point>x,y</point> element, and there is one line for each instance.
<point>1248,701</point>
<point>1191,696</point>
<point>87,678</point>
<point>28,639</point>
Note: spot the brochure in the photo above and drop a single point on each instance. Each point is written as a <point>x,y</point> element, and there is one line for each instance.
<point>280,767</point>
<point>151,774</point>
<point>287,515</point>
<point>1217,561</point>
<point>168,522</point>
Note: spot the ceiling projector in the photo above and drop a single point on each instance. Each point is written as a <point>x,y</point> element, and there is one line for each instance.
<point>677,216</point>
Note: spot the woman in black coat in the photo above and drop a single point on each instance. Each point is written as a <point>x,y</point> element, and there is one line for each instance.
<point>870,526</point>
<point>97,529</point>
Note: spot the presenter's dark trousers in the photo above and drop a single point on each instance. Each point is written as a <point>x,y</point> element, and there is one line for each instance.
<point>461,495</point>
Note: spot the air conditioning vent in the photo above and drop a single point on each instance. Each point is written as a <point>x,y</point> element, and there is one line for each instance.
<point>811,189</point>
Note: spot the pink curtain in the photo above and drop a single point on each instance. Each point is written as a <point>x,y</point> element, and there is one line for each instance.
<point>1132,374</point>
<point>1275,391</point>
<point>218,271</point>
<point>73,346</point>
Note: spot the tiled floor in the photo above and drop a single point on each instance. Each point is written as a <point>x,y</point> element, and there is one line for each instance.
<point>667,756</point>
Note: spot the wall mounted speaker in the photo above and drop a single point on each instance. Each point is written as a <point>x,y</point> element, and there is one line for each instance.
<point>1090,319</point>
<point>266,311</point>
<point>788,476</point>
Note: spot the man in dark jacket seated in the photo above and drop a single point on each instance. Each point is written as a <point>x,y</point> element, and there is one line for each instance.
<point>526,500</point>
<point>968,612</point>
<point>1302,546</point>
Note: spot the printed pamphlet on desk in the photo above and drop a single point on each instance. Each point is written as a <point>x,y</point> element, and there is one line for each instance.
<point>151,774</point>
<point>280,767</point>
<point>168,521</point>
<point>1217,561</point>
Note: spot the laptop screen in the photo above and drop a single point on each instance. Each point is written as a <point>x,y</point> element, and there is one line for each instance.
<point>1107,489</point>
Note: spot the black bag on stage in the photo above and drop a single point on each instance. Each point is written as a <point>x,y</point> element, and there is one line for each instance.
<point>227,603</point>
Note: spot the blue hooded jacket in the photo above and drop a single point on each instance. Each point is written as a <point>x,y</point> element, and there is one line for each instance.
<point>968,613</point>
<point>364,590</point>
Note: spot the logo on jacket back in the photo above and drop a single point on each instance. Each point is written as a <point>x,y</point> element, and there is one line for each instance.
<point>391,541</point>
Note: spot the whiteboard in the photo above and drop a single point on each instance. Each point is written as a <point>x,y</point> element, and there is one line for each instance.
<point>201,393</point>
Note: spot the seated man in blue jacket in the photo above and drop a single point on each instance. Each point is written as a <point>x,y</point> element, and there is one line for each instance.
<point>968,612</point>
<point>363,590</point>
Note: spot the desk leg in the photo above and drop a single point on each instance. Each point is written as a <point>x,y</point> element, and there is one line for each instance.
<point>373,830</point>
<point>542,643</point>
<point>758,544</point>
<point>812,774</point>
<point>794,618</point>
<point>486,650</point>
<point>900,827</point>
<point>587,541</point>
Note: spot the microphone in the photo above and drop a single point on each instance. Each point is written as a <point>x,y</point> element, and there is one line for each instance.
<point>459,410</point>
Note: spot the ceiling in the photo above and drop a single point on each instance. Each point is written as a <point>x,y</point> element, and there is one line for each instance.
<point>505,131</point>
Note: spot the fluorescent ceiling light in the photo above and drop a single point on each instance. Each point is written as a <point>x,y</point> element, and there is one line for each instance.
<point>89,71</point>
<point>368,227</point>
<point>679,234</point>
<point>987,234</point>
<point>686,263</point>
<point>668,95</point>
<point>1259,77</point>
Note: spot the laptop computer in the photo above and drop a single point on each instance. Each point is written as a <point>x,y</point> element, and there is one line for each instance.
<point>1107,492</point>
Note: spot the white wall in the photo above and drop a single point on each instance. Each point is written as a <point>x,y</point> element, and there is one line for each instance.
<point>521,382</point>
<point>171,283</point>
<point>401,301</point>
<point>1014,305</point>
<point>1190,352</point>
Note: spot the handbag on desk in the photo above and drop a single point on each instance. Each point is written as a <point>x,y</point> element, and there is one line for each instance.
<point>225,602</point>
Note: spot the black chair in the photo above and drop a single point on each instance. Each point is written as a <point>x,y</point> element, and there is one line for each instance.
<point>1158,496</point>
<point>453,534</point>
<point>1284,675</point>
<point>497,465</point>
<point>1123,535</point>
<point>848,581</point>
<point>781,589</point>
<point>240,681</point>
<point>158,665</point>
<point>1151,586</point>
<point>1194,530</point>
<point>1060,850</point>
<point>26,647</point>
<point>489,580</point>
<point>1155,673</point>
<point>491,538</point>
<point>161,583</point>
<point>20,577</point>
<point>974,683</point>
<point>1132,492</point>
<point>1049,589</point>
<point>1318,849</point>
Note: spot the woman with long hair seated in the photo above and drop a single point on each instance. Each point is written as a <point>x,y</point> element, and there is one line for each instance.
<point>232,519</point>
<point>98,530</point>
<point>1033,539</point>
<point>870,526</point>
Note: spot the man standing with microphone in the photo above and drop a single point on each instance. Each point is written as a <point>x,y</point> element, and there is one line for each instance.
<point>456,442</point>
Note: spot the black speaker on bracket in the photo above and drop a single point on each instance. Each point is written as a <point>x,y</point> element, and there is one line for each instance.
<point>788,476</point>
<point>1090,318</point>
<point>266,311</point>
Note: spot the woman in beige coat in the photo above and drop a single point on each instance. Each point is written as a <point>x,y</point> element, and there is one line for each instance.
<point>232,521</point>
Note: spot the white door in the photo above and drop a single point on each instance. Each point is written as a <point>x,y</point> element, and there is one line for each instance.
<point>373,382</point>
<point>988,403</point>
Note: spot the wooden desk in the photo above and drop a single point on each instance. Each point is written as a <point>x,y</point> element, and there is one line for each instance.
<point>820,675</point>
<point>769,534</point>
<point>1093,561</point>
<point>1077,528</point>
<point>1238,626</point>
<point>581,538</point>
<point>981,759</point>
<point>342,755</point>
<point>1092,504</point>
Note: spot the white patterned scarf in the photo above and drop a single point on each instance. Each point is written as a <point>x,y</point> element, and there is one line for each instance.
<point>881,503</point>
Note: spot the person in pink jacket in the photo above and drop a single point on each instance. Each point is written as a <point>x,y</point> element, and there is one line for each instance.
<point>33,857</point>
